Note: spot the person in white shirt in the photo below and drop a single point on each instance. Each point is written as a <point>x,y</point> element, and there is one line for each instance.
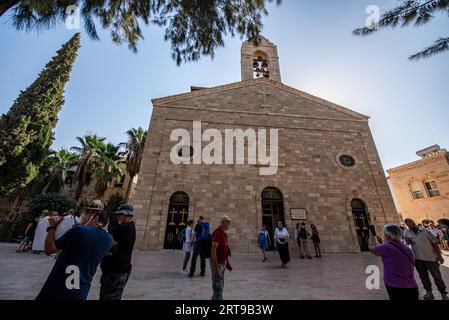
<point>281,238</point>
<point>67,223</point>
<point>41,233</point>
<point>187,246</point>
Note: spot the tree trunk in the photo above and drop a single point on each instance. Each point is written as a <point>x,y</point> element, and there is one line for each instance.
<point>5,5</point>
<point>79,190</point>
<point>129,188</point>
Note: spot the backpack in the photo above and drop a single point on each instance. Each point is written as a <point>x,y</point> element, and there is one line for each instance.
<point>302,233</point>
<point>205,231</point>
<point>182,236</point>
<point>206,247</point>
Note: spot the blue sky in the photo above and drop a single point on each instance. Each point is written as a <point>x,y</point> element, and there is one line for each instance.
<point>111,88</point>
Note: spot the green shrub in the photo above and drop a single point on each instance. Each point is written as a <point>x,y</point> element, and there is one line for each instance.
<point>51,202</point>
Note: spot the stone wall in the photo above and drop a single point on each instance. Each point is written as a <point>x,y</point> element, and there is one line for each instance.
<point>312,135</point>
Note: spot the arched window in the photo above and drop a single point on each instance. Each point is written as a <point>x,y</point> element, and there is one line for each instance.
<point>260,65</point>
<point>271,193</point>
<point>178,213</point>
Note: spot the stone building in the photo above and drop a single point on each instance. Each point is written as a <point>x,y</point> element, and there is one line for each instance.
<point>328,173</point>
<point>422,186</point>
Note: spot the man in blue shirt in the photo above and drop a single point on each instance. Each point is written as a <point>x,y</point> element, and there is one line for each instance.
<point>82,249</point>
<point>200,234</point>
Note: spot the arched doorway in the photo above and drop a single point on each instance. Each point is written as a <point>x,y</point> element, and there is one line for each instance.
<point>361,222</point>
<point>272,209</point>
<point>178,213</point>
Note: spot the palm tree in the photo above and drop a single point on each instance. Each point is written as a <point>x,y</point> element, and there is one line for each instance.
<point>106,167</point>
<point>90,145</point>
<point>134,152</point>
<point>61,164</point>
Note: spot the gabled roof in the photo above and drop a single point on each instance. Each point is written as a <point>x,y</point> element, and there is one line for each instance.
<point>236,85</point>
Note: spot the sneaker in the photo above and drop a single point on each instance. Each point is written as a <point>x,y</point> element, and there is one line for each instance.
<point>429,296</point>
<point>184,272</point>
<point>302,257</point>
<point>309,257</point>
<point>190,275</point>
<point>444,297</point>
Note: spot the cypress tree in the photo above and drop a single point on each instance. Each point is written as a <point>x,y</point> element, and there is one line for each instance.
<point>26,131</point>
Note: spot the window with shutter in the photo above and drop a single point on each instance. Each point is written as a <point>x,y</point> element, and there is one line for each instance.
<point>432,189</point>
<point>416,190</point>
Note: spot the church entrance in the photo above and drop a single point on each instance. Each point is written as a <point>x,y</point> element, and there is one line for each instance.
<point>361,222</point>
<point>178,213</point>
<point>272,210</point>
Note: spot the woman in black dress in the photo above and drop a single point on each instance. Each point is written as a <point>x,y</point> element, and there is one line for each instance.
<point>316,240</point>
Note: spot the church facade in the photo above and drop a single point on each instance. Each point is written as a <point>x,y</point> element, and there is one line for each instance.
<point>328,172</point>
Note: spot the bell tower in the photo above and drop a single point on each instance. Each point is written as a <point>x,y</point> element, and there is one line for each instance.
<point>260,61</point>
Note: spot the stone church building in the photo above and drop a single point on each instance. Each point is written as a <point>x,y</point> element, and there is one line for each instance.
<point>328,174</point>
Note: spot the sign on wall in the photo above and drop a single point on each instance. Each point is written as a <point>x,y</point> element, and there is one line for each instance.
<point>298,214</point>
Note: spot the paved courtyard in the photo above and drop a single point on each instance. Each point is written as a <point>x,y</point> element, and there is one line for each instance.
<point>155,276</point>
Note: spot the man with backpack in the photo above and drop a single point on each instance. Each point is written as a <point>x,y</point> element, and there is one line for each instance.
<point>201,235</point>
<point>302,238</point>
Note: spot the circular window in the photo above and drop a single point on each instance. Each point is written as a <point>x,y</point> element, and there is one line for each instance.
<point>185,152</point>
<point>347,161</point>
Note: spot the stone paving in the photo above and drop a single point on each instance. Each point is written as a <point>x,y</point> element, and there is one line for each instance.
<point>156,276</point>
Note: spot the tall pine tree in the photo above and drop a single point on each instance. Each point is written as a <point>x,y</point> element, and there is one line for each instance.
<point>26,131</point>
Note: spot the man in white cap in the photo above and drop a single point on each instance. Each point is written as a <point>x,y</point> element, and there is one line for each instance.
<point>116,266</point>
<point>219,261</point>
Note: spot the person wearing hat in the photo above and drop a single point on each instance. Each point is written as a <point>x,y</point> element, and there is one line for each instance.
<point>116,267</point>
<point>81,250</point>
<point>93,207</point>
<point>219,261</point>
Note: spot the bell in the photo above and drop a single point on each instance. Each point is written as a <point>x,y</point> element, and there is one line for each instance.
<point>266,74</point>
<point>259,58</point>
<point>255,64</point>
<point>265,64</point>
